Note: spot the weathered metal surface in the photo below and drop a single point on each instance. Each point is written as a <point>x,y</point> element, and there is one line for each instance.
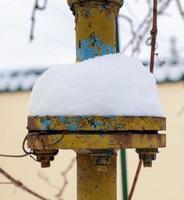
<point>45,156</point>
<point>95,27</point>
<point>147,156</point>
<point>80,141</point>
<point>95,123</point>
<point>93,184</point>
<point>71,3</point>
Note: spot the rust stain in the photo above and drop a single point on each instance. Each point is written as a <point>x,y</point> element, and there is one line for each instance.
<point>85,141</point>
<point>95,123</point>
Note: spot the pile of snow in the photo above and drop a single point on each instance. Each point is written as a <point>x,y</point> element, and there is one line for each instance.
<point>107,85</point>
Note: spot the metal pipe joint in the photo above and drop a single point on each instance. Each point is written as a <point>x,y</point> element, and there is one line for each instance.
<point>88,3</point>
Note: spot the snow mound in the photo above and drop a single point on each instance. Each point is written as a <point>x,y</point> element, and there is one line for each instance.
<point>106,85</point>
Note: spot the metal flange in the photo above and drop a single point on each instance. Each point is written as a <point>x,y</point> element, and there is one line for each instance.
<point>89,141</point>
<point>95,123</point>
<point>72,2</point>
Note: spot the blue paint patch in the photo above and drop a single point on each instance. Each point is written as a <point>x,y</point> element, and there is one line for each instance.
<point>72,127</point>
<point>93,47</point>
<point>62,118</point>
<point>46,123</point>
<point>99,123</point>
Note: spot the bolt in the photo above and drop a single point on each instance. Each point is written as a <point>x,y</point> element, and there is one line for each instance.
<point>147,156</point>
<point>101,158</point>
<point>45,163</point>
<point>147,163</point>
<point>45,156</point>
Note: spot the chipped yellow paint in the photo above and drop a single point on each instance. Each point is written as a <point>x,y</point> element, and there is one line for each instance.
<point>81,141</point>
<point>97,20</point>
<point>95,185</point>
<point>95,35</point>
<point>96,123</point>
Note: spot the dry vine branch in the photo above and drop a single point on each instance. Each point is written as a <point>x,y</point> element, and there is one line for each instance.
<point>46,179</point>
<point>33,20</point>
<point>153,36</point>
<point>5,183</point>
<point>135,179</point>
<point>19,184</point>
<point>143,28</point>
<point>140,39</point>
<point>180,8</point>
<point>130,21</point>
<point>64,174</point>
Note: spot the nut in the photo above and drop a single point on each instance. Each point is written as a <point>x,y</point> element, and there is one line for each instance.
<point>147,156</point>
<point>101,158</point>
<point>45,156</point>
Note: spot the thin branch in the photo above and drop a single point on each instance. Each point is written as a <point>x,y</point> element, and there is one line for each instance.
<point>5,183</point>
<point>20,185</point>
<point>145,20</point>
<point>140,39</point>
<point>135,179</point>
<point>153,36</point>
<point>180,8</point>
<point>64,174</point>
<point>142,28</point>
<point>36,7</point>
<point>181,111</point>
<point>46,179</point>
<point>130,21</point>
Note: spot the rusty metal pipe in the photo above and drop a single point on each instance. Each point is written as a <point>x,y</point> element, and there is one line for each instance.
<point>95,36</point>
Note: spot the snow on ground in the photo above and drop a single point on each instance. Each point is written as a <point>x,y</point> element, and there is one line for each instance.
<point>107,85</point>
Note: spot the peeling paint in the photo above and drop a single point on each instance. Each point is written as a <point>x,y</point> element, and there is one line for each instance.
<point>91,141</point>
<point>93,47</point>
<point>96,123</point>
<point>95,29</point>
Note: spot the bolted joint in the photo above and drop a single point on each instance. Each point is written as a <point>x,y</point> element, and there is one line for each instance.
<point>102,158</point>
<point>45,156</point>
<point>147,156</point>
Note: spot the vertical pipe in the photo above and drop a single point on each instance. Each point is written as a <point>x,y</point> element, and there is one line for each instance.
<point>123,151</point>
<point>95,36</point>
<point>93,184</point>
<point>95,29</point>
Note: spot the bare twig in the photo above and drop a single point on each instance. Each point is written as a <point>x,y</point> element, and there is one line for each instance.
<point>5,183</point>
<point>153,36</point>
<point>64,174</point>
<point>140,39</point>
<point>19,184</point>
<point>135,180</point>
<point>138,30</point>
<point>180,8</point>
<point>181,111</point>
<point>130,21</point>
<point>46,179</point>
<point>142,29</point>
<point>33,16</point>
